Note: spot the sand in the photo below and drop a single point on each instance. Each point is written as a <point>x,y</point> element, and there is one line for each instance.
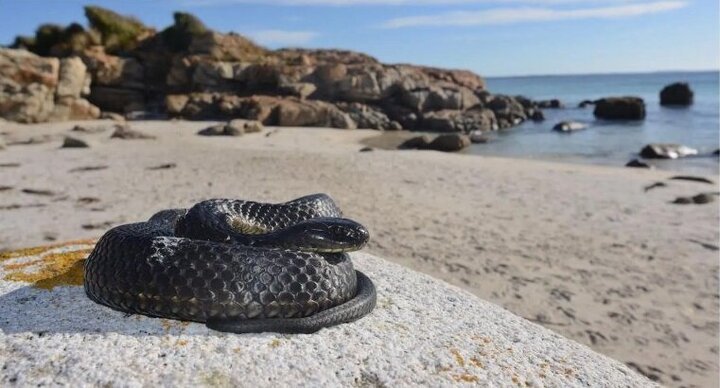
<point>582,250</point>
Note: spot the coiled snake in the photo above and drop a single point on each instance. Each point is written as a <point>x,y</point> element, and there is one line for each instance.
<point>239,266</point>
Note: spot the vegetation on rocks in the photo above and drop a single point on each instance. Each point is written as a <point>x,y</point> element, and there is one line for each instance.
<point>179,36</point>
<point>57,41</point>
<point>118,33</point>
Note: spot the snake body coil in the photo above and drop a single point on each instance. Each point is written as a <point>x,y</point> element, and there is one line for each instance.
<point>238,266</point>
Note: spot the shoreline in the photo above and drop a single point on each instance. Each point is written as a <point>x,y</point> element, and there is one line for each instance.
<point>389,140</point>
<point>581,249</point>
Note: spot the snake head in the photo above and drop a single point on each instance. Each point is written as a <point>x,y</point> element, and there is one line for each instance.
<point>324,235</point>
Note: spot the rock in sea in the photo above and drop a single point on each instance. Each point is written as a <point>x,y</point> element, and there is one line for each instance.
<point>569,126</point>
<point>677,94</point>
<point>478,137</point>
<point>620,108</point>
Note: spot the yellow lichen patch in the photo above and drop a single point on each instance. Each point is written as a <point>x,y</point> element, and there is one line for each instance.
<point>275,343</point>
<point>41,249</point>
<point>466,378</point>
<point>458,357</point>
<point>476,362</point>
<point>217,379</point>
<point>72,277</point>
<point>50,269</point>
<point>181,342</point>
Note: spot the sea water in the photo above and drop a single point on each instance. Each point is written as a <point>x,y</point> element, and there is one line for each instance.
<point>611,142</point>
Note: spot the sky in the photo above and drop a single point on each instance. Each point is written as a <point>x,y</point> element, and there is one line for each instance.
<point>490,37</point>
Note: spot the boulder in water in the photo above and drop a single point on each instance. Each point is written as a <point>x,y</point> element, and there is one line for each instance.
<point>677,94</point>
<point>620,108</point>
<point>415,143</point>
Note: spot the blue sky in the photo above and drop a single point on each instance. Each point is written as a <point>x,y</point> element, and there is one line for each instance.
<point>491,37</point>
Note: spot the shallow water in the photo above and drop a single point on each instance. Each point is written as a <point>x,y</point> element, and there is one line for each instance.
<point>612,143</point>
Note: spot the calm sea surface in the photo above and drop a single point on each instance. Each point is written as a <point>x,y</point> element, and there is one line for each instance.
<point>612,143</point>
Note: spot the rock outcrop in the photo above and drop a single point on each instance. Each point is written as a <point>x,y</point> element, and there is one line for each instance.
<point>677,94</point>
<point>620,108</point>
<point>448,337</point>
<point>36,89</point>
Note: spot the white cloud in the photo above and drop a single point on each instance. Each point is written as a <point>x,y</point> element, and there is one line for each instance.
<point>282,37</point>
<point>525,14</point>
<point>199,3</point>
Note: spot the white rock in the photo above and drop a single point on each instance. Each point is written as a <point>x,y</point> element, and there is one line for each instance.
<point>423,332</point>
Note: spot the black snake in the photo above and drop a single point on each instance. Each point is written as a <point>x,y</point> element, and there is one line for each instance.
<point>238,266</point>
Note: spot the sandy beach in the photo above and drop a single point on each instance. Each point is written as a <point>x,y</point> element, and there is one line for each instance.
<point>585,251</point>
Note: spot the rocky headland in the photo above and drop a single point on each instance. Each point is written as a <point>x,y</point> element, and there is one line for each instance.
<point>189,71</point>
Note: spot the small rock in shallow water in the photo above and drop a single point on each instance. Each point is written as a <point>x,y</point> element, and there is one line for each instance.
<point>666,151</point>
<point>550,104</point>
<point>478,137</point>
<point>537,115</point>
<point>367,149</point>
<point>569,126</point>
<point>415,143</point>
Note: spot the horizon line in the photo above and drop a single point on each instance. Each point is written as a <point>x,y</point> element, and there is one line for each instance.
<point>717,70</point>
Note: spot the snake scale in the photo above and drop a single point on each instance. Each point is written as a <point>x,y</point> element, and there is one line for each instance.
<point>238,266</point>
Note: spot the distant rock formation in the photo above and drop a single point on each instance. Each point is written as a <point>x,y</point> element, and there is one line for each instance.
<point>190,71</point>
<point>677,94</point>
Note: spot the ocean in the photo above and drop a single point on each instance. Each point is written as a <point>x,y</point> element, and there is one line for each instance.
<point>612,143</point>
